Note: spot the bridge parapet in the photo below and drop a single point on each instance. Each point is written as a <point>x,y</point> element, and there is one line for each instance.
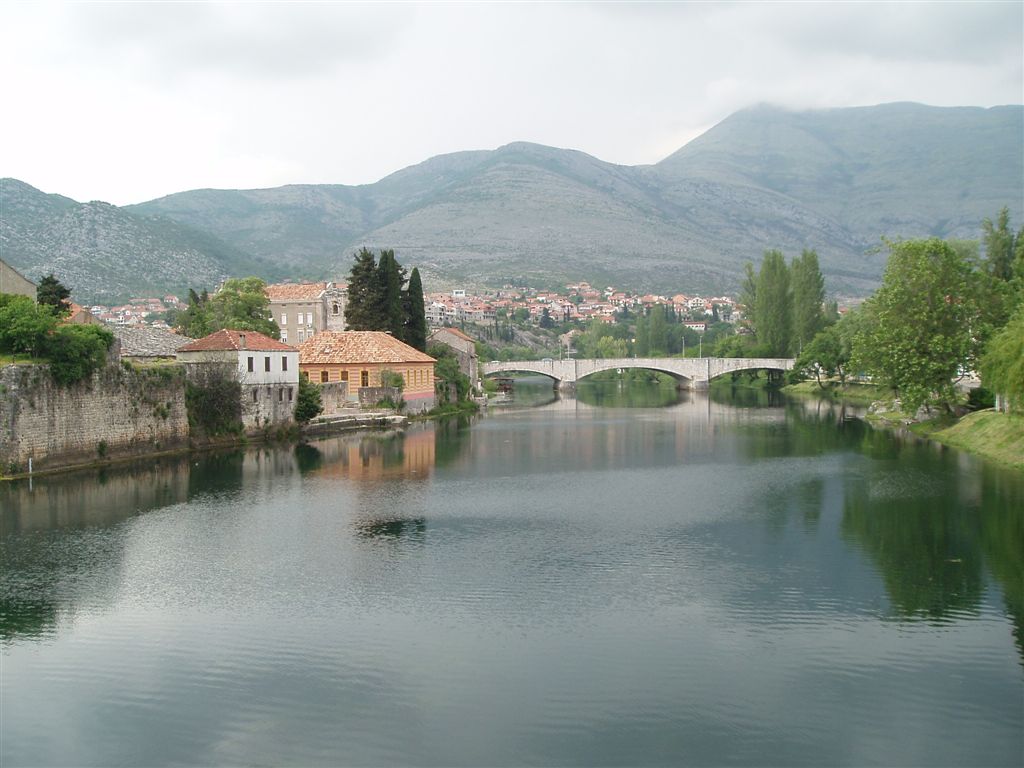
<point>695,372</point>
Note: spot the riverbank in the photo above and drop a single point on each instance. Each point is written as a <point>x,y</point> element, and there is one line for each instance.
<point>998,437</point>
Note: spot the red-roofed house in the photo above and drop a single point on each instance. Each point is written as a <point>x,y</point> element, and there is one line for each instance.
<point>357,358</point>
<point>267,369</point>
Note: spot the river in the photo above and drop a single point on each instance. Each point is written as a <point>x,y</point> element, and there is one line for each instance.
<point>626,577</point>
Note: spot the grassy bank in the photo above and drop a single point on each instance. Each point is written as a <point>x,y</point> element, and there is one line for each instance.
<point>996,436</point>
<point>853,392</point>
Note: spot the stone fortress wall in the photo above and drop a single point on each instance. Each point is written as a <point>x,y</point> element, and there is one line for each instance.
<point>118,411</point>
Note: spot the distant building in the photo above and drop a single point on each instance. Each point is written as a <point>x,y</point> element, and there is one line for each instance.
<point>302,310</point>
<point>357,359</point>
<point>81,316</point>
<point>267,369</point>
<point>11,281</point>
<point>464,347</point>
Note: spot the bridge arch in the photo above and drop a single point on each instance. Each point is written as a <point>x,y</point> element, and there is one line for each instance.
<point>602,365</point>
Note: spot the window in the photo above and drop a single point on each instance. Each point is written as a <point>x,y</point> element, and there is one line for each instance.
<point>301,335</point>
<point>251,368</point>
<point>284,363</point>
<point>266,363</point>
<point>284,336</point>
<point>289,394</point>
<point>334,308</point>
<point>324,376</point>
<point>280,395</point>
<point>284,319</point>
<point>344,375</point>
<point>255,394</point>
<point>364,379</point>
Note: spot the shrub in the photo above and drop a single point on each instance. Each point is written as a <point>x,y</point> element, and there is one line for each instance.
<point>308,404</point>
<point>213,398</point>
<point>76,351</point>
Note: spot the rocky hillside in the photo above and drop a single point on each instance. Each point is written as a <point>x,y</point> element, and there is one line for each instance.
<point>834,180</point>
<point>104,253</point>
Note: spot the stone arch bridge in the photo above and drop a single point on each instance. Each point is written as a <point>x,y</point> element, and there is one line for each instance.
<point>692,372</point>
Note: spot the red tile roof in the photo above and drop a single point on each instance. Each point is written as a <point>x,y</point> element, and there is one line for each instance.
<point>340,347</point>
<point>286,291</point>
<point>236,340</point>
<point>458,333</point>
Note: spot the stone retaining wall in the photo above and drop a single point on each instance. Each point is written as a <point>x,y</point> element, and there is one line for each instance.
<point>118,411</point>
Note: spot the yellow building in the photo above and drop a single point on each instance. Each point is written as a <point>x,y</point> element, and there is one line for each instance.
<point>356,360</point>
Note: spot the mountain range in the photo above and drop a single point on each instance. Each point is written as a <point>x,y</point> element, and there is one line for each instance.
<point>835,180</point>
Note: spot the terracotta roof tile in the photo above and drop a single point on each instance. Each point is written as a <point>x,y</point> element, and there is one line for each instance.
<point>456,332</point>
<point>236,340</point>
<point>285,291</point>
<point>338,347</point>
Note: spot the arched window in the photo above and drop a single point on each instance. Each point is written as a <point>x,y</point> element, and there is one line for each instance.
<point>334,308</point>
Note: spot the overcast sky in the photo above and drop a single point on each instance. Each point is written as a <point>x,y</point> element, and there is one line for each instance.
<point>131,101</point>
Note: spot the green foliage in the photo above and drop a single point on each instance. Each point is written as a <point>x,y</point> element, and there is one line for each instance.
<point>392,379</point>
<point>1002,366</point>
<point>391,279</point>
<point>774,305</point>
<point>52,293</point>
<point>808,298</point>
<point>213,399</point>
<point>378,300</point>
<point>76,351</point>
<point>416,316</point>
<point>241,304</point>
<point>24,325</point>
<point>1000,245</point>
<point>308,402</point>
<point>450,384</point>
<point>365,301</point>
<point>916,332</point>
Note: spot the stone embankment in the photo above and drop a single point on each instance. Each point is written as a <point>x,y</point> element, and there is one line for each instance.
<point>119,411</point>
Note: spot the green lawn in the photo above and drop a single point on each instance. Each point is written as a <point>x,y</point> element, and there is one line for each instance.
<point>7,359</point>
<point>997,436</point>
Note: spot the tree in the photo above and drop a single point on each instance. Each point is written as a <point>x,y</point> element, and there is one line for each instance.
<point>241,304</point>
<point>545,319</point>
<point>52,293</point>
<point>999,244</point>
<point>416,315</point>
<point>363,311</point>
<point>808,298</point>
<point>24,325</point>
<point>748,295</point>
<point>917,330</point>
<point>1002,366</point>
<point>773,305</point>
<point>75,351</point>
<point>308,402</point>
<point>390,278</point>
<point>657,331</point>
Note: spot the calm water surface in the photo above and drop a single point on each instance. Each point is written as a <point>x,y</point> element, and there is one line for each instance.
<point>620,578</point>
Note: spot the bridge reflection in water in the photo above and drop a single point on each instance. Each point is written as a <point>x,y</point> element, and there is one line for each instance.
<point>692,372</point>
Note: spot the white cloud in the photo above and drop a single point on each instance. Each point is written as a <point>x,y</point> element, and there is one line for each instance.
<point>126,101</point>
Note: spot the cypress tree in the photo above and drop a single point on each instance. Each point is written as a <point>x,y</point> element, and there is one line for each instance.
<point>416,315</point>
<point>389,278</point>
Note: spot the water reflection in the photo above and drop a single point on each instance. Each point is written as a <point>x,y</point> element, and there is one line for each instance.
<point>549,585</point>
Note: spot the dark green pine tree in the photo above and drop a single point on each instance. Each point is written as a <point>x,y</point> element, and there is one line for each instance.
<point>416,315</point>
<point>390,280</point>
<point>363,311</point>
<point>52,293</point>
